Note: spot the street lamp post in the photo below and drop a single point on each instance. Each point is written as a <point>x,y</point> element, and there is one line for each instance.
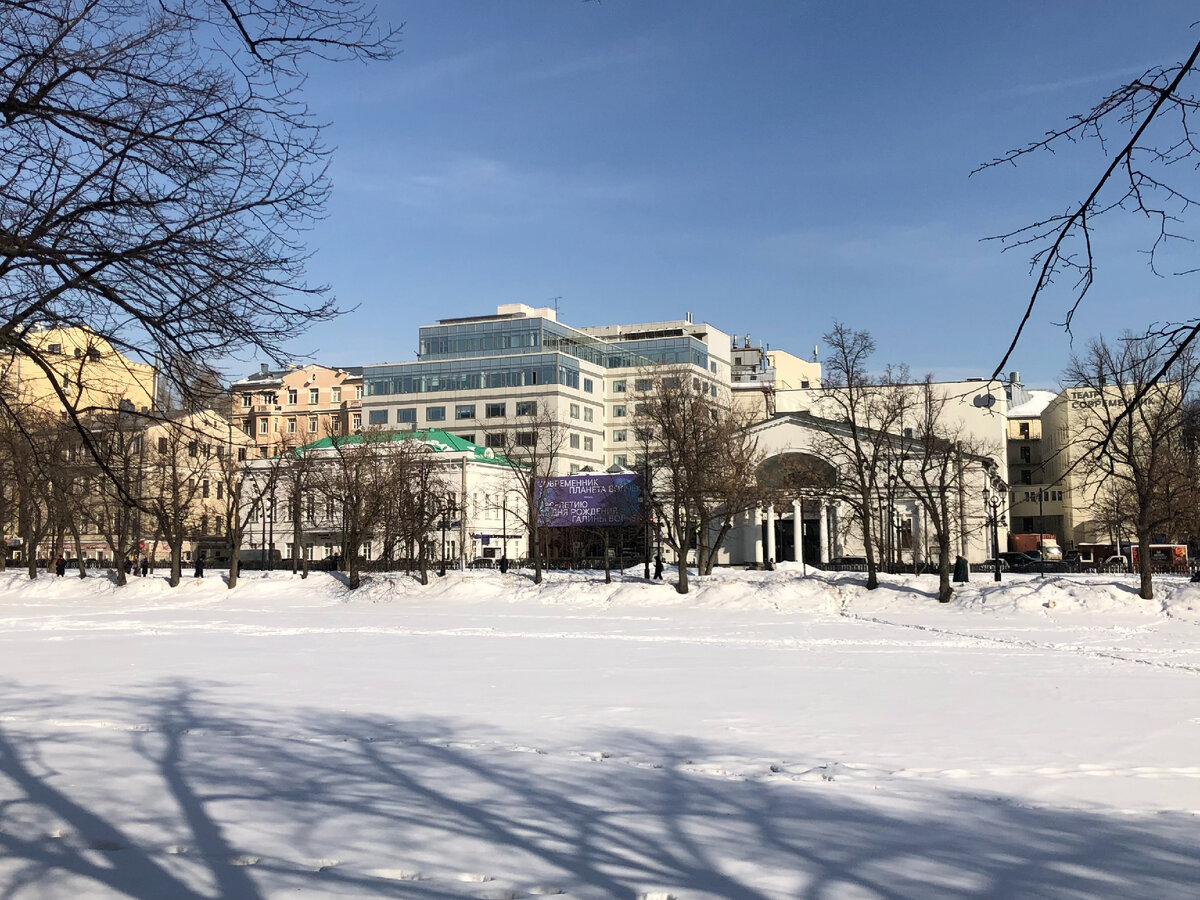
<point>447,510</point>
<point>1041,531</point>
<point>647,511</point>
<point>991,503</point>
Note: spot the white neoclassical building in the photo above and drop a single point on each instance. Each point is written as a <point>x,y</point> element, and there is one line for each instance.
<point>815,527</point>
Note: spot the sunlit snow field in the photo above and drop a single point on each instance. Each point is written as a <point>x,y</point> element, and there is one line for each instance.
<point>767,736</point>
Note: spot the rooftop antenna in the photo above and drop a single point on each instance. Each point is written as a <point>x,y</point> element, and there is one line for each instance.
<point>555,300</point>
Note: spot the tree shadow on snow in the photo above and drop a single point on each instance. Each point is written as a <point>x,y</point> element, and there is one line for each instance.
<point>174,795</point>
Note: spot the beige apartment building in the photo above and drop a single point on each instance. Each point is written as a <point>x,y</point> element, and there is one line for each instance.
<point>757,374</point>
<point>88,370</point>
<point>298,405</point>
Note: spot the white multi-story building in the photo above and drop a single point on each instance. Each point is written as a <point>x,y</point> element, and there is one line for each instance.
<point>486,378</point>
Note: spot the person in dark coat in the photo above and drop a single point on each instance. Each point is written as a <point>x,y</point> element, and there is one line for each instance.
<point>961,572</point>
<point>145,566</point>
<point>200,566</point>
<point>503,565</point>
<point>658,566</point>
<point>60,567</point>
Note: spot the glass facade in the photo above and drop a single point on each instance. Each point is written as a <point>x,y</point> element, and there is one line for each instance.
<point>519,352</point>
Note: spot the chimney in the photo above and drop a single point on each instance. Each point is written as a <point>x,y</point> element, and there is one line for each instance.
<point>1014,377</point>
<point>263,370</point>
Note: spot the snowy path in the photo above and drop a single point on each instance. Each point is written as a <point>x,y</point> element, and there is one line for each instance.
<point>767,737</point>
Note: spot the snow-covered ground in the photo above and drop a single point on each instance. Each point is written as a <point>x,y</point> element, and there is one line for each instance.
<point>767,736</point>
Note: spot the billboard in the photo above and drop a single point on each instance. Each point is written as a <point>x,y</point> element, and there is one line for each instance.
<point>590,499</point>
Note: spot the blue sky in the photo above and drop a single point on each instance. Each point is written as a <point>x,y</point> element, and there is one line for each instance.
<point>768,166</point>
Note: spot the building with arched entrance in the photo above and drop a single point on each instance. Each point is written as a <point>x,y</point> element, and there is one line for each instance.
<point>806,515</point>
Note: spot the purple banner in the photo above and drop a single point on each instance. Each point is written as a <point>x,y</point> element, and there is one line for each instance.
<point>590,499</point>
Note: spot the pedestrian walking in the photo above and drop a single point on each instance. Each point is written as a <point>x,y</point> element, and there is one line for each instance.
<point>60,567</point>
<point>200,565</point>
<point>658,566</point>
<point>145,566</point>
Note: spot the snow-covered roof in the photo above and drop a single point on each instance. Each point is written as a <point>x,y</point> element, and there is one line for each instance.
<point>1037,402</point>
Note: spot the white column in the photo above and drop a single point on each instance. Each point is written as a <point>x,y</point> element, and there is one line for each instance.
<point>918,535</point>
<point>771,532</point>
<point>825,555</point>
<point>756,545</point>
<point>798,519</point>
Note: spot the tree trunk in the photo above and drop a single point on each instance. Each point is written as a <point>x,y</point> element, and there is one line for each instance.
<point>176,545</point>
<point>868,548</point>
<point>945,591</point>
<point>681,586</point>
<point>79,552</point>
<point>1146,586</point>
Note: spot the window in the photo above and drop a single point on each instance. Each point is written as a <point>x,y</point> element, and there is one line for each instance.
<point>574,441</point>
<point>435,414</point>
<point>335,425</point>
<point>620,435</point>
<point>495,440</point>
<point>619,411</point>
<point>356,421</point>
<point>526,439</point>
<point>526,407</point>
<point>220,491</point>
<point>358,392</point>
<point>193,449</point>
<point>1026,476</point>
<point>335,395</point>
<point>465,411</point>
<point>407,415</point>
<point>247,401</point>
<point>619,386</point>
<point>292,425</point>
<point>639,408</point>
<point>312,424</point>
<point>574,468</point>
<point>314,396</point>
<point>494,410</point>
<point>620,460</point>
<point>587,443</point>
<point>804,385</point>
<point>643,384</point>
<point>204,490</point>
<point>1024,429</point>
<point>1025,454</point>
<point>587,385</point>
<point>162,445</point>
<point>469,438</point>
<point>270,397</point>
<point>712,366</point>
<point>1027,524</point>
<point>377,416</point>
<point>589,414</point>
<point>293,396</point>
<point>241,454</point>
<point>204,522</point>
<point>574,410</point>
<point>54,348</point>
<point>671,383</point>
<point>247,427</point>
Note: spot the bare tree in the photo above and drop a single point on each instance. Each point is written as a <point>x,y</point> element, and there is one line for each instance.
<point>704,462</point>
<point>532,450</point>
<point>934,456</point>
<point>1133,435</point>
<point>870,408</point>
<point>1148,125</point>
<point>120,439</point>
<point>158,169</point>
<point>355,479</point>
<point>31,443</point>
<point>179,462</point>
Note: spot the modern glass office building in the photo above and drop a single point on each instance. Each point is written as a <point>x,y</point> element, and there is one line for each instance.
<point>485,375</point>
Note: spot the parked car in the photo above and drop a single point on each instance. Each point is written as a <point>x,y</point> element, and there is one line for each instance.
<point>989,565</point>
<point>1020,560</point>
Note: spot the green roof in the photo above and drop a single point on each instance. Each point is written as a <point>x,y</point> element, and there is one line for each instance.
<point>434,438</point>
